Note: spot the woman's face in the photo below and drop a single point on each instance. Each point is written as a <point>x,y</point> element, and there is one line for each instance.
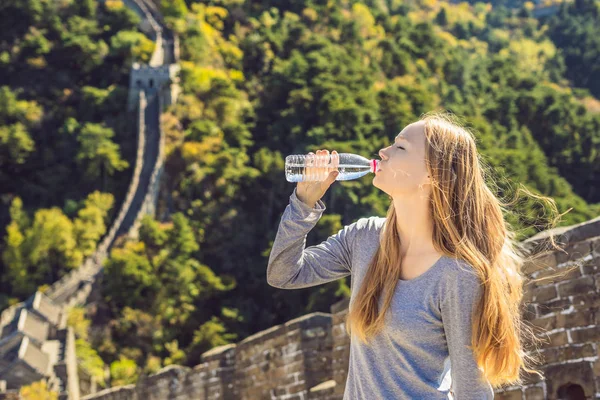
<point>402,166</point>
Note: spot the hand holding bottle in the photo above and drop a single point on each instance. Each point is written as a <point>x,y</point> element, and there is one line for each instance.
<point>321,171</point>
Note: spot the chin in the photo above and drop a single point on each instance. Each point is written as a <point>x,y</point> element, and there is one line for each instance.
<point>379,187</point>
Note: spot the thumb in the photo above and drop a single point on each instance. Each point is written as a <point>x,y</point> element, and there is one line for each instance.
<point>332,176</point>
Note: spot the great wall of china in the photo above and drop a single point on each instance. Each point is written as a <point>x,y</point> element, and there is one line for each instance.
<point>35,342</point>
<point>305,358</point>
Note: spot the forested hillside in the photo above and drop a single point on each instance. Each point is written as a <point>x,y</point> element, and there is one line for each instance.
<point>261,80</point>
<point>65,139</point>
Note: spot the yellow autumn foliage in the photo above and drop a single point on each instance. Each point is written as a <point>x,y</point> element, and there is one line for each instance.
<point>310,14</point>
<point>201,77</point>
<point>204,151</point>
<point>530,55</point>
<point>113,4</point>
<point>37,391</point>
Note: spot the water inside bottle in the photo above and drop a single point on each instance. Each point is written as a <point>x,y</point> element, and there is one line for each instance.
<point>347,172</point>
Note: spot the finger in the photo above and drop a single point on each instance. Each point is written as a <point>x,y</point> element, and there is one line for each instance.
<point>326,163</point>
<point>322,165</point>
<point>318,162</point>
<point>331,162</point>
<point>315,169</point>
<point>335,158</point>
<point>331,177</point>
<point>326,169</point>
<point>309,164</point>
<point>315,166</point>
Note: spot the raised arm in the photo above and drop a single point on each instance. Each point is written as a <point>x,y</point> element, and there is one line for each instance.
<point>291,265</point>
<point>461,292</point>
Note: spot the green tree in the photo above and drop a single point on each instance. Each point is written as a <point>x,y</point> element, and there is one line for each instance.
<point>40,250</point>
<point>91,222</point>
<point>87,357</point>
<point>129,278</point>
<point>123,372</point>
<point>98,152</point>
<point>15,144</point>
<point>576,31</point>
<point>132,46</point>
<point>173,8</point>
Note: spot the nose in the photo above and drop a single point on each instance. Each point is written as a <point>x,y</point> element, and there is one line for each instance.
<point>381,155</point>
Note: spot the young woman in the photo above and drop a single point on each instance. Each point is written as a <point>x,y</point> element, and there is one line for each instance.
<point>436,284</point>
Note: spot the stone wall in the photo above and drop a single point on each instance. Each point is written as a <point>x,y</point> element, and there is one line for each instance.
<point>566,311</point>
<point>307,358</point>
<point>162,71</point>
<point>283,362</point>
<point>154,161</point>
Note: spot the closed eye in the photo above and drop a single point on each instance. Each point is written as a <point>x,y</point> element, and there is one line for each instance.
<point>400,147</point>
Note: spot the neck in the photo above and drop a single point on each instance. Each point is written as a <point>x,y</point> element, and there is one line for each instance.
<point>414,223</point>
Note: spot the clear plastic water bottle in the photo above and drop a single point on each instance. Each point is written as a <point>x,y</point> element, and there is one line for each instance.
<point>351,166</point>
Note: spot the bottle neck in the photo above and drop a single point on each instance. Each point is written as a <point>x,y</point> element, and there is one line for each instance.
<point>374,165</point>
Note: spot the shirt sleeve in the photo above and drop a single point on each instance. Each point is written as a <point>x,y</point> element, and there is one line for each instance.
<point>291,265</point>
<point>461,293</point>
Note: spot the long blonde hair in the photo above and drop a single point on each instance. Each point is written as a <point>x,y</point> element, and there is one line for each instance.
<point>468,224</point>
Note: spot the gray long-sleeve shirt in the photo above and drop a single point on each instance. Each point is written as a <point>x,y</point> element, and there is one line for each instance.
<point>423,352</point>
